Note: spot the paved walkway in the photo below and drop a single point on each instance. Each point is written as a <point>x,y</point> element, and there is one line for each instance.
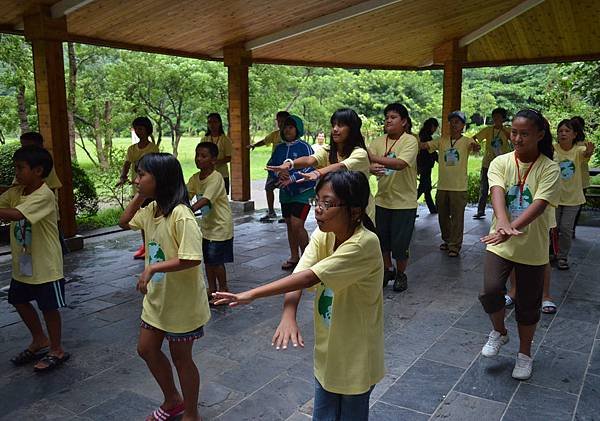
<point>434,334</point>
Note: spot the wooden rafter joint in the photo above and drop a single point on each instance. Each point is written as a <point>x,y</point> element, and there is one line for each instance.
<point>449,51</point>
<point>39,25</point>
<point>236,55</point>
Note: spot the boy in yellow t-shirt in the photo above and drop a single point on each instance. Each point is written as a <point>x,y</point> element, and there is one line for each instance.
<point>208,187</point>
<point>394,162</point>
<point>37,265</point>
<point>496,138</point>
<point>451,197</point>
<point>273,139</point>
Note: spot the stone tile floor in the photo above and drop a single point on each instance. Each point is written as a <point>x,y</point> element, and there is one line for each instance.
<point>434,334</point>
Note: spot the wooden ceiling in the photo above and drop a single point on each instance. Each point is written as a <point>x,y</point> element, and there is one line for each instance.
<point>396,34</point>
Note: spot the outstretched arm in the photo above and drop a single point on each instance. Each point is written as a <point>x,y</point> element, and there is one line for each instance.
<point>129,213</point>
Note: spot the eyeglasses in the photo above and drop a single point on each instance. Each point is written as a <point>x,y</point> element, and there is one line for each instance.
<point>323,205</point>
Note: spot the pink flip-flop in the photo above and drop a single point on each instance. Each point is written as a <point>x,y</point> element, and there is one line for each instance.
<point>160,414</point>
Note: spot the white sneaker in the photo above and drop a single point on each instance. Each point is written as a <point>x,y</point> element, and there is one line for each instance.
<point>493,344</point>
<point>523,367</point>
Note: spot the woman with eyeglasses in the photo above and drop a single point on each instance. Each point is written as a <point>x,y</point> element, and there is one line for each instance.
<point>343,262</point>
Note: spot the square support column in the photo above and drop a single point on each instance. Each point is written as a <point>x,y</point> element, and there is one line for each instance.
<point>238,61</point>
<point>452,57</point>
<point>46,35</point>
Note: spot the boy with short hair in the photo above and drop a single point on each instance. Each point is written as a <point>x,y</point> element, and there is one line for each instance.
<point>37,264</point>
<point>208,186</point>
<point>451,197</point>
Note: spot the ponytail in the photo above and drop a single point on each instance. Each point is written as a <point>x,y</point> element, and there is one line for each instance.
<point>545,145</point>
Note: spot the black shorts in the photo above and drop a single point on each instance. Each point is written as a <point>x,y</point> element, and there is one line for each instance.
<point>49,295</point>
<point>217,253</point>
<point>299,210</point>
<point>395,229</point>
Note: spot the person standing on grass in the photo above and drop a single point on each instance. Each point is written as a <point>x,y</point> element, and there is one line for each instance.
<point>175,303</point>
<point>522,185</point>
<point>394,162</point>
<point>425,163</point>
<point>273,139</point>
<point>451,197</point>
<point>216,134</point>
<point>496,138</point>
<point>143,130</point>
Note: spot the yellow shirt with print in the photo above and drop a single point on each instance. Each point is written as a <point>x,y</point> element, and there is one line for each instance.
<point>53,182</point>
<point>273,139</point>
<point>135,153</point>
<point>357,161</point>
<point>216,223</point>
<point>571,165</point>
<point>531,247</point>
<point>224,145</point>
<point>348,310</point>
<point>496,143</point>
<point>36,235</point>
<point>585,170</point>
<point>397,189</point>
<point>176,302</point>
<point>453,162</point>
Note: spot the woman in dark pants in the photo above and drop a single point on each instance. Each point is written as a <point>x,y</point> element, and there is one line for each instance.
<point>425,163</point>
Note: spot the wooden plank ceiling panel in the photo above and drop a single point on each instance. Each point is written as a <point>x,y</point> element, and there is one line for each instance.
<point>194,26</point>
<point>12,11</point>
<point>402,34</point>
<point>555,28</point>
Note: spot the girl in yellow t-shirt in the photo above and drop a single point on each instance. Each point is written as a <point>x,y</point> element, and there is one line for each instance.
<point>175,304</point>
<point>571,159</point>
<point>346,151</point>
<point>579,125</point>
<point>343,261</point>
<point>522,184</point>
<point>215,134</point>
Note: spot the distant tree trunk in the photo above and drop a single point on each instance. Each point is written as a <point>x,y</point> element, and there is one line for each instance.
<point>22,110</point>
<point>71,98</point>
<point>97,130</point>
<point>108,131</point>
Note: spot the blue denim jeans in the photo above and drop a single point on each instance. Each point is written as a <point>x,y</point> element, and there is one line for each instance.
<point>330,406</point>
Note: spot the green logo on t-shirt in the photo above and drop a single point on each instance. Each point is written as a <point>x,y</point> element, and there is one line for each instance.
<point>515,204</point>
<point>22,232</point>
<point>451,157</point>
<point>567,169</point>
<point>497,145</point>
<point>156,255</point>
<point>389,171</point>
<point>325,306</point>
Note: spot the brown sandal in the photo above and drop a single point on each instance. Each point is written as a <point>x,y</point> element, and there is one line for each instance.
<point>288,265</point>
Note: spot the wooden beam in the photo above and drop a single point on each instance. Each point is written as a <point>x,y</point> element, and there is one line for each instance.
<point>237,61</point>
<point>453,57</point>
<point>528,61</point>
<point>498,22</point>
<point>345,65</point>
<point>320,22</point>
<point>66,7</point>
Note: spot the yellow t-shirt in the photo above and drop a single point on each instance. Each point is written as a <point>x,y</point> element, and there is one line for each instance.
<point>571,165</point>
<point>348,310</point>
<point>36,235</point>
<point>224,145</point>
<point>496,143</point>
<point>397,189</point>
<point>53,182</point>
<point>134,154</point>
<point>454,158</point>
<point>531,247</point>
<point>176,302</point>
<point>357,161</point>
<point>216,223</point>
<point>273,139</point>
<point>585,170</point>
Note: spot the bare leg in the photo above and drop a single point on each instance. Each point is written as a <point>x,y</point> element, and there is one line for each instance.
<point>401,265</point>
<point>526,333</point>
<point>387,260</point>
<point>54,327</point>
<point>497,319</point>
<point>270,200</point>
<point>32,321</point>
<point>221,277</point>
<point>547,270</point>
<point>300,233</point>
<point>189,378</point>
<point>211,276</point>
<point>292,240</point>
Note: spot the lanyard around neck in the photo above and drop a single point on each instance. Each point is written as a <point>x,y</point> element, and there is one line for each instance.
<point>522,181</point>
<point>391,147</point>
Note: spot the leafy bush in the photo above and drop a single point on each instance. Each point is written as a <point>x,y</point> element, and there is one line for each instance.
<point>104,218</point>
<point>106,178</point>
<point>473,187</point>
<point>7,169</point>
<point>84,192</point>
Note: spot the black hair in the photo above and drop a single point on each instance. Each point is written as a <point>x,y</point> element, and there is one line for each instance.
<point>425,134</point>
<point>212,148</point>
<point>352,188</point>
<point>170,187</point>
<point>346,117</point>
<point>218,117</point>
<point>289,121</point>
<point>579,128</point>
<point>536,117</point>
<point>501,111</point>
<point>402,112</point>
<point>571,124</point>
<point>282,114</point>
<point>35,156</point>
<point>144,122</point>
<point>34,137</point>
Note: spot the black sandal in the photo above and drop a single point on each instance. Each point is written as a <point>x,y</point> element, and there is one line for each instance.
<point>52,362</point>
<point>26,356</point>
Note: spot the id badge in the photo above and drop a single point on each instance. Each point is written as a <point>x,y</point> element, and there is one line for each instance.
<point>204,210</point>
<point>389,171</point>
<point>26,265</point>
<point>451,157</point>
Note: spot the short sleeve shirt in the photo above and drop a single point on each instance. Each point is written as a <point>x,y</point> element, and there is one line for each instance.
<point>273,139</point>
<point>135,153</point>
<point>397,189</point>
<point>571,165</point>
<point>176,302</point>
<point>541,183</point>
<point>496,143</point>
<point>453,162</point>
<point>348,310</point>
<point>217,222</point>
<point>224,145</point>
<point>36,235</point>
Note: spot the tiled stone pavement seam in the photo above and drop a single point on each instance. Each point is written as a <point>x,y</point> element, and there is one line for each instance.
<point>585,375</point>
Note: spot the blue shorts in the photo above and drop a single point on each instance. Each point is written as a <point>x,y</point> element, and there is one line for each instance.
<point>217,253</point>
<point>177,337</point>
<point>49,295</point>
